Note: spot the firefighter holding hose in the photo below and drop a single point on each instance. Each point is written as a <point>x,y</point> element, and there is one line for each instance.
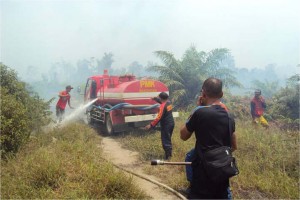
<point>64,98</point>
<point>165,117</point>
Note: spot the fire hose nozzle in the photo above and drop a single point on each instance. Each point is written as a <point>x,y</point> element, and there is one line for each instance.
<point>157,162</point>
<point>161,162</point>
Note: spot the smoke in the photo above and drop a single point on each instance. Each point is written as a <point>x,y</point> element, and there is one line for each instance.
<point>52,44</point>
<point>45,32</point>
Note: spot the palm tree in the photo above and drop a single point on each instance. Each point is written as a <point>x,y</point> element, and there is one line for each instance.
<point>185,77</point>
<point>171,73</point>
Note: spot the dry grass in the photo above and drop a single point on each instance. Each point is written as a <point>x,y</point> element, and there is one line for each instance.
<point>64,163</point>
<point>268,160</point>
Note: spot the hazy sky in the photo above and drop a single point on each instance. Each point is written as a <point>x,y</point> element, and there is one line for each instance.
<point>41,32</point>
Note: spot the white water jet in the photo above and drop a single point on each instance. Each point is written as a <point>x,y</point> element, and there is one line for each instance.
<point>76,113</point>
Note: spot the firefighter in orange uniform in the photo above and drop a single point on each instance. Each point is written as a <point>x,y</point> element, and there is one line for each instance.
<point>64,98</point>
<point>258,106</point>
<point>165,117</point>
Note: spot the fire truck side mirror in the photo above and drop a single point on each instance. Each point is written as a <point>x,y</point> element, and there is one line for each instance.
<point>101,82</point>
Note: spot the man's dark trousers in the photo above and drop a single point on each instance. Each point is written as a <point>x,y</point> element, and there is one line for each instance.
<point>166,135</point>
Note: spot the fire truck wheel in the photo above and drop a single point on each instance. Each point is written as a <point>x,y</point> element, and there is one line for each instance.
<point>89,119</point>
<point>108,125</point>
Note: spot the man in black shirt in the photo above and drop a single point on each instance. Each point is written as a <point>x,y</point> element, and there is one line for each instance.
<point>211,126</point>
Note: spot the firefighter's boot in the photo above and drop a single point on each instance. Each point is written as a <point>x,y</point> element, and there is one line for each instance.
<point>168,155</point>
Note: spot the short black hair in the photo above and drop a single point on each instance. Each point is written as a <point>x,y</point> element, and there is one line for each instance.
<point>213,87</point>
<point>163,96</point>
<point>257,91</point>
<point>69,87</point>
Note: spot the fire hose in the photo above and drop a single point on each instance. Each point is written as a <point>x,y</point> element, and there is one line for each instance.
<point>108,107</point>
<point>150,180</point>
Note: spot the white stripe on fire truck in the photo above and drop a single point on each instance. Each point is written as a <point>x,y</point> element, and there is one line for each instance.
<point>126,95</point>
<point>138,118</point>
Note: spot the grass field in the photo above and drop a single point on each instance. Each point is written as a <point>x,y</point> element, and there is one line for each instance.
<point>64,164</point>
<point>268,160</point>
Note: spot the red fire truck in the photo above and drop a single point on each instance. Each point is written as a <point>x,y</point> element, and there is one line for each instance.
<point>122,102</point>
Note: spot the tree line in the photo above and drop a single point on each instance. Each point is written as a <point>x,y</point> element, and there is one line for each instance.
<point>24,111</point>
<point>185,76</point>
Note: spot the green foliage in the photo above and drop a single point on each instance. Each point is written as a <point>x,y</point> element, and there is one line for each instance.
<point>64,164</point>
<point>22,112</point>
<point>14,123</point>
<point>285,104</point>
<point>282,109</point>
<point>185,77</point>
<point>293,81</point>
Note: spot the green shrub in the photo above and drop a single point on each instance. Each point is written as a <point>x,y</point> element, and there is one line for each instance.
<point>22,112</point>
<point>14,123</point>
<point>284,107</point>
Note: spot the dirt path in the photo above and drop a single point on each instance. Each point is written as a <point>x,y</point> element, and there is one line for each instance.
<point>129,160</point>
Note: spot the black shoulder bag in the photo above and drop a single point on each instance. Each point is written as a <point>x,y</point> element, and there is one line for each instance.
<point>218,163</point>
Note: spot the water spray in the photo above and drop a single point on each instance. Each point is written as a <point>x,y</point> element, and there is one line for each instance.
<point>78,111</point>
